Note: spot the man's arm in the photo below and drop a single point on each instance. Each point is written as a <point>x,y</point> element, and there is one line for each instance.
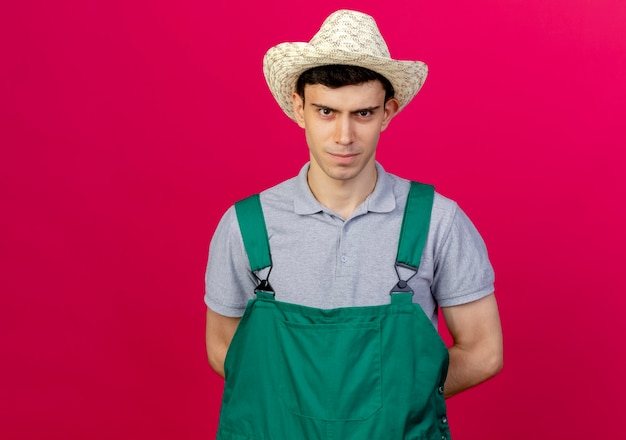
<point>476,354</point>
<point>219,332</point>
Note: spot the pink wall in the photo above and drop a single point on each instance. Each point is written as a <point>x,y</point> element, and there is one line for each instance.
<point>127,128</point>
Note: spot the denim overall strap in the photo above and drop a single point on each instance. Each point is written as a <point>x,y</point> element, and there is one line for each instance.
<point>254,232</point>
<point>413,234</point>
<point>255,240</point>
<point>415,224</point>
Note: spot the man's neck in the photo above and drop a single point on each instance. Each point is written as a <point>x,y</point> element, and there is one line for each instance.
<point>342,196</point>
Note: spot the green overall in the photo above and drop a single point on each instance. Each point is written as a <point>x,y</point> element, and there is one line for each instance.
<point>355,373</point>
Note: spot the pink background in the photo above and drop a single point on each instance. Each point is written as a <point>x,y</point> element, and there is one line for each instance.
<point>128,127</point>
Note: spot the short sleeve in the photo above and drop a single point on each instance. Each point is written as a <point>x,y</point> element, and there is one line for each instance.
<point>229,282</point>
<point>462,271</point>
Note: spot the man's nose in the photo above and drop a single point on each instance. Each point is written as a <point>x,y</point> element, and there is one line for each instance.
<point>344,130</point>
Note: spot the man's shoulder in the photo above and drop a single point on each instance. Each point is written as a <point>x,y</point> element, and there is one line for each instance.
<point>442,205</point>
<point>285,189</point>
<point>280,192</point>
<point>281,196</point>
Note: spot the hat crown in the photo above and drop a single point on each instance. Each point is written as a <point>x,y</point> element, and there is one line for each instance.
<point>353,32</point>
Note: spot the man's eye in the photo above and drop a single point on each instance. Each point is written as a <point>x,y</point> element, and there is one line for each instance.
<point>325,111</point>
<point>365,113</point>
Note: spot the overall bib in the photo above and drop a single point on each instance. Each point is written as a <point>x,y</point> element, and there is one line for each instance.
<point>354,373</point>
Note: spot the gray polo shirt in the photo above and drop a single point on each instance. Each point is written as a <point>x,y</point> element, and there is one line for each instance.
<point>321,260</point>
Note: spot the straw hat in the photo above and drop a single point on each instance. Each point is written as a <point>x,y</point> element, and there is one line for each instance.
<point>346,37</point>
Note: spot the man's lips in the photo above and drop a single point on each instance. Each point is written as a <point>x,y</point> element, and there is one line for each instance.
<point>343,157</point>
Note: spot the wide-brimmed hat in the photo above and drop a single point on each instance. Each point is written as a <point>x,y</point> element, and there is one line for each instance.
<point>346,37</point>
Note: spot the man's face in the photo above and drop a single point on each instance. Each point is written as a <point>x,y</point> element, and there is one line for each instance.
<point>342,128</point>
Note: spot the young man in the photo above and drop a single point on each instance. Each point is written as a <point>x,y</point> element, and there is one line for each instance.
<point>333,279</point>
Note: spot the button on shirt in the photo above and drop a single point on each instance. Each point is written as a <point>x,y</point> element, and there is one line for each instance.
<point>321,260</point>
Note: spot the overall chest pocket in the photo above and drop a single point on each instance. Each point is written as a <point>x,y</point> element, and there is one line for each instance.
<point>330,371</point>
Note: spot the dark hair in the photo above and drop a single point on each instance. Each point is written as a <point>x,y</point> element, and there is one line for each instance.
<point>339,75</point>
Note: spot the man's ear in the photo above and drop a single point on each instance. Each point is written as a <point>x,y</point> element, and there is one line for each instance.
<point>298,108</point>
<point>391,109</point>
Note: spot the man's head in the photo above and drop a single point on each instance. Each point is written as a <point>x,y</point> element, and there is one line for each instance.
<point>343,121</point>
<point>343,110</point>
<point>346,38</point>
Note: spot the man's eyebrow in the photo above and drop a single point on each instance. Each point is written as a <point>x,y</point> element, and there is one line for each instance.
<point>325,107</point>
<point>365,109</point>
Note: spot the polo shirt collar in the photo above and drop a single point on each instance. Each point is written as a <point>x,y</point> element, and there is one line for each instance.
<point>382,199</point>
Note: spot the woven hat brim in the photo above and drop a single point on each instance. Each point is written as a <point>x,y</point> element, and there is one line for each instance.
<point>283,64</point>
